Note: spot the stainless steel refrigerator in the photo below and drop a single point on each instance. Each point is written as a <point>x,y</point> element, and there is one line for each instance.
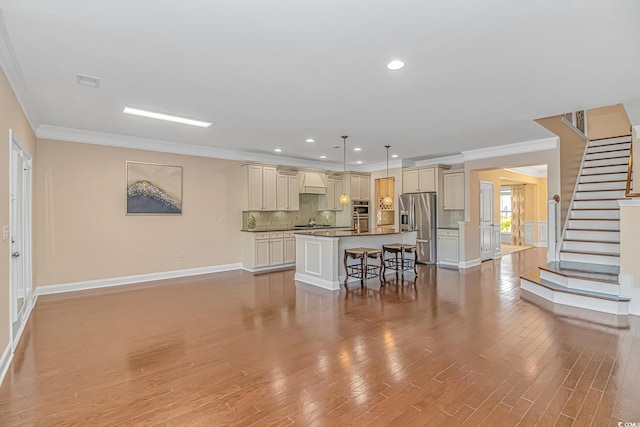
<point>418,213</point>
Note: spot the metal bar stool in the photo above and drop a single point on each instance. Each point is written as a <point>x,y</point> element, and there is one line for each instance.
<point>398,261</point>
<point>363,270</point>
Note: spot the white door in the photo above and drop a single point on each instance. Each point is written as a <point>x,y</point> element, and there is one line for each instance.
<point>486,220</point>
<point>20,234</point>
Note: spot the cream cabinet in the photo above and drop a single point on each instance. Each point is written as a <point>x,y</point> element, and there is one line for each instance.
<point>267,249</point>
<point>419,180</point>
<point>287,193</point>
<point>448,253</point>
<point>360,187</point>
<point>453,190</point>
<point>259,188</point>
<point>289,247</point>
<point>331,201</point>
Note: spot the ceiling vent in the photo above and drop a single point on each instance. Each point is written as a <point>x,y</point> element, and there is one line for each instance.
<point>89,81</point>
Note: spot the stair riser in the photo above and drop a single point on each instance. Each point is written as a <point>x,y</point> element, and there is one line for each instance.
<point>602,155</point>
<point>618,185</point>
<point>609,141</point>
<point>598,178</point>
<point>590,259</point>
<point>605,169</point>
<point>594,225</point>
<point>589,303</point>
<point>601,148</point>
<point>592,246</point>
<point>581,284</point>
<point>595,213</point>
<point>596,204</point>
<point>591,195</point>
<point>608,236</point>
<point>606,162</point>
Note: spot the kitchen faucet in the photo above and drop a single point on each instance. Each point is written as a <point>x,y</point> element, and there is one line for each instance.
<point>357,223</point>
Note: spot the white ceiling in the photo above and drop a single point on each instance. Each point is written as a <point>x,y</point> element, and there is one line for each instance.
<point>536,171</point>
<point>273,73</point>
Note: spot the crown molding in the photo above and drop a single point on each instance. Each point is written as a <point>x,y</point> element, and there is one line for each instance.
<point>447,160</point>
<point>375,167</point>
<point>543,144</point>
<point>12,70</point>
<point>136,143</point>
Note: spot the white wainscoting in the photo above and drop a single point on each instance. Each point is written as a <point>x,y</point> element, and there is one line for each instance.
<point>542,234</point>
<point>529,234</point>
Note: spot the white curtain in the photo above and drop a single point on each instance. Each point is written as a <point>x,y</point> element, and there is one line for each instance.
<point>517,214</point>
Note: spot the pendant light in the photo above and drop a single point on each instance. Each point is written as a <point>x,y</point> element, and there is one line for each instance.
<point>344,198</point>
<point>387,200</point>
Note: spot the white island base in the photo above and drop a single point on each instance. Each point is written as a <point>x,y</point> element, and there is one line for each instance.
<point>320,254</point>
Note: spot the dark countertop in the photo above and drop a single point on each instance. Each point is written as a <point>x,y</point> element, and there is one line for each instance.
<point>349,233</point>
<point>451,227</point>
<point>263,229</point>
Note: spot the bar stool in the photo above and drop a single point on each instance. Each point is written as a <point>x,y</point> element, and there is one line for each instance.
<point>363,270</point>
<point>399,262</point>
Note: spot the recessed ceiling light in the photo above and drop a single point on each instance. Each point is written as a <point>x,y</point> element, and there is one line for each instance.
<point>357,149</point>
<point>310,140</point>
<point>394,156</point>
<point>277,150</point>
<point>395,65</point>
<point>84,80</point>
<point>165,117</point>
<point>359,162</point>
<point>323,157</point>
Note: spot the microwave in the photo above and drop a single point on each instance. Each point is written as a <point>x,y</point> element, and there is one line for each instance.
<point>362,208</point>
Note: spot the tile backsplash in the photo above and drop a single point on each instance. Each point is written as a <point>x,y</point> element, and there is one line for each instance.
<point>288,219</point>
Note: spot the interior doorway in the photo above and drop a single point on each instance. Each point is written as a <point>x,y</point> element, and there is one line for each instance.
<point>486,220</point>
<point>20,233</point>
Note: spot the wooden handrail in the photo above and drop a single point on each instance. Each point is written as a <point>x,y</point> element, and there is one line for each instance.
<point>628,192</point>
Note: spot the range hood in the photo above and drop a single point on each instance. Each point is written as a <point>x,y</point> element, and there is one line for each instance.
<point>312,183</point>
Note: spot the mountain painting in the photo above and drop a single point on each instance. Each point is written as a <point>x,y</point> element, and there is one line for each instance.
<point>154,189</point>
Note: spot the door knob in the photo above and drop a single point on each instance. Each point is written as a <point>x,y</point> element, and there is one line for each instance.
<point>16,254</point>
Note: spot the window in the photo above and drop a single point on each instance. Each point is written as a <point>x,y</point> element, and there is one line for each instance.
<point>505,209</point>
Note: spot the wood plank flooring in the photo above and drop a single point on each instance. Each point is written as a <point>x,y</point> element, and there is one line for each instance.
<point>453,348</point>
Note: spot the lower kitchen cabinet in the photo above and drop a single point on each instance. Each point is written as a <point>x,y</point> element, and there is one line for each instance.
<point>267,249</point>
<point>448,253</point>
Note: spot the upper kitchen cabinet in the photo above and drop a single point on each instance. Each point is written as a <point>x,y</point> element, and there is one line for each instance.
<point>287,192</point>
<point>331,202</point>
<point>419,180</point>
<point>259,188</point>
<point>453,190</point>
<point>360,187</point>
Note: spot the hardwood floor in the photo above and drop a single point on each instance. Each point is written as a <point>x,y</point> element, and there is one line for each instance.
<point>456,348</point>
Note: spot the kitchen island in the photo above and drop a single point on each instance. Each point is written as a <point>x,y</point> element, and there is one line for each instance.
<point>320,254</point>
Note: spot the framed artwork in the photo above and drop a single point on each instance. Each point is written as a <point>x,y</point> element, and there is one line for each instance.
<point>153,189</point>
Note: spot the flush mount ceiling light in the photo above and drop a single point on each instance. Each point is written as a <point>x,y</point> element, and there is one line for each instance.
<point>166,117</point>
<point>394,156</point>
<point>395,65</point>
<point>359,162</point>
<point>277,150</point>
<point>344,198</point>
<point>310,140</point>
<point>323,157</point>
<point>357,149</point>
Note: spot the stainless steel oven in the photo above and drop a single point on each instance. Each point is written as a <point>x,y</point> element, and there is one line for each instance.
<point>360,216</point>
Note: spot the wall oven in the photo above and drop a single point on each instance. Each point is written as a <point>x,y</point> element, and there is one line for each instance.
<point>362,217</point>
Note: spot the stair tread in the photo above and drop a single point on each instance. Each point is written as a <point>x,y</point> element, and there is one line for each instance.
<point>592,229</point>
<point>559,288</point>
<point>604,182</point>
<point>604,166</point>
<point>594,219</point>
<point>603,189</point>
<point>596,209</point>
<point>601,173</point>
<point>613,242</point>
<point>607,151</point>
<point>573,251</point>
<point>581,270</point>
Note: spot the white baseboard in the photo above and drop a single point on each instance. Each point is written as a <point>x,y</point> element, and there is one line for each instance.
<point>5,362</point>
<point>627,289</point>
<point>126,280</point>
<point>470,263</point>
<point>448,264</point>
<point>273,267</point>
<point>317,281</point>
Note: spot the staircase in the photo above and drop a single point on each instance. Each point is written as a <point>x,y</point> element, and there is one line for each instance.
<point>587,274</point>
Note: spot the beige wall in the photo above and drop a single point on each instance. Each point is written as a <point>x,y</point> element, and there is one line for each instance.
<point>472,188</point>
<point>85,234</point>
<point>608,122</point>
<point>630,242</point>
<point>11,117</point>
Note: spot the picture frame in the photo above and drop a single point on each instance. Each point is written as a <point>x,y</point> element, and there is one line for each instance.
<point>153,189</point>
